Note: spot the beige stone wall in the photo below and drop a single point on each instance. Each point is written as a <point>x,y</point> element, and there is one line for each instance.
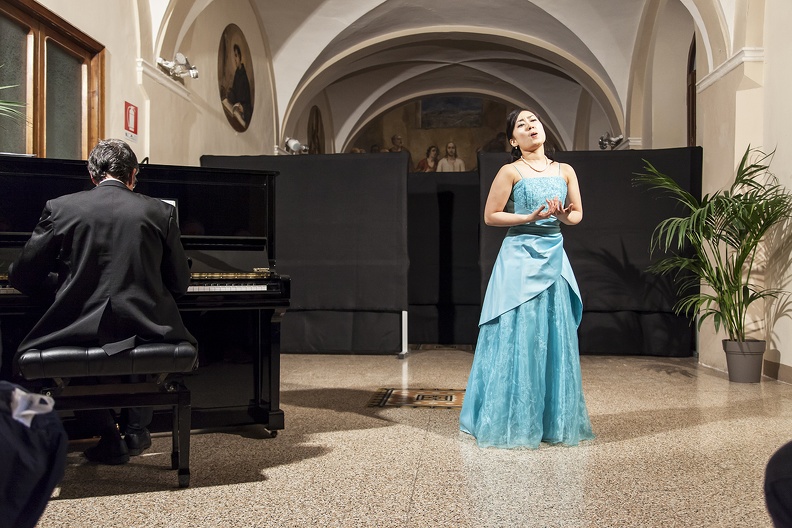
<point>667,118</point>
<point>178,123</point>
<point>749,104</point>
<point>717,121</point>
<point>776,111</point>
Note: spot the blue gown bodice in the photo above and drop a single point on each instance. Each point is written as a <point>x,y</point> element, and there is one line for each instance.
<point>532,255</point>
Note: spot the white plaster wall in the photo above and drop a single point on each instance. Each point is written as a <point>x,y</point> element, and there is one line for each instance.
<point>776,112</point>
<point>646,107</point>
<point>177,129</point>
<point>669,77</point>
<point>715,132</point>
<point>211,133</point>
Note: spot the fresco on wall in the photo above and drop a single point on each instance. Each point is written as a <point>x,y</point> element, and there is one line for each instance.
<point>451,112</point>
<point>235,78</point>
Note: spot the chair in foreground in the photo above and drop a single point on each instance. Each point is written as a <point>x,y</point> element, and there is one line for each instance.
<point>154,360</point>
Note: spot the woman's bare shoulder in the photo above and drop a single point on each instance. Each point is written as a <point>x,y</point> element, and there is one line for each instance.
<point>509,172</point>
<point>567,172</point>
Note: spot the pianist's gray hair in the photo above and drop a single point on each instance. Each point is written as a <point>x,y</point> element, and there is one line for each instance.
<point>112,157</point>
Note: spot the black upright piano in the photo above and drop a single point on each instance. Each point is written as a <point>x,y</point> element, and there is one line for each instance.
<point>236,298</point>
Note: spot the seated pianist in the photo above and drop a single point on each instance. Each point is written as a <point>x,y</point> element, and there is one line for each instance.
<point>114,262</point>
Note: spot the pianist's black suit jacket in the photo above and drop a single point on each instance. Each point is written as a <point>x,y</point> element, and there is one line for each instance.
<point>115,262</point>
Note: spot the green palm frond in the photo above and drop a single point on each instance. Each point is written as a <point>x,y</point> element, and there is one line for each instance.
<point>716,244</point>
<point>11,109</point>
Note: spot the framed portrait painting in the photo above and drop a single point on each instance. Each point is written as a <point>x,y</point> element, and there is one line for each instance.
<point>235,78</point>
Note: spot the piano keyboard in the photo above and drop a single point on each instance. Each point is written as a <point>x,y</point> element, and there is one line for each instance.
<point>233,283</point>
<point>261,288</point>
<point>260,280</point>
<point>193,288</point>
<point>196,288</point>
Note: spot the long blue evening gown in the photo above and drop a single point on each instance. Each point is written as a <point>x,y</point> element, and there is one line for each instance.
<point>525,385</point>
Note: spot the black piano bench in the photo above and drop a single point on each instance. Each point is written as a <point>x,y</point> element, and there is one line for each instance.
<point>153,360</point>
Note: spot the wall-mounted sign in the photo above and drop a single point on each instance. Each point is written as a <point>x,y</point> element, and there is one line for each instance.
<point>130,121</point>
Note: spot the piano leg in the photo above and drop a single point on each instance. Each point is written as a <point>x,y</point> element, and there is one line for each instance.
<point>265,406</point>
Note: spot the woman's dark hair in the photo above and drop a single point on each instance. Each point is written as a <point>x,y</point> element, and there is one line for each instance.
<point>428,150</point>
<point>112,157</point>
<point>511,121</point>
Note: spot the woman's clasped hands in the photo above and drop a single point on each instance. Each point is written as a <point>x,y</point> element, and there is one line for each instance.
<point>554,207</point>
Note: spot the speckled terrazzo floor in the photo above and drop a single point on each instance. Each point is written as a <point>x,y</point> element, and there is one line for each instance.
<point>677,445</point>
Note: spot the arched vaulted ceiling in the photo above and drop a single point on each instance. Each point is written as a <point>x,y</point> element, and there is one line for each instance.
<point>368,56</point>
<point>394,51</point>
<point>463,60</point>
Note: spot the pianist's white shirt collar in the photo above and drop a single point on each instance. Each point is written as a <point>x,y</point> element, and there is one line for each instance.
<point>128,186</point>
<point>110,178</point>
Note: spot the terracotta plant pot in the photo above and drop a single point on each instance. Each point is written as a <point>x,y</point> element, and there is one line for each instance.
<point>744,360</point>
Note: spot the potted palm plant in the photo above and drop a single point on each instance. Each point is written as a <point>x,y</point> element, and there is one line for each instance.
<point>712,252</point>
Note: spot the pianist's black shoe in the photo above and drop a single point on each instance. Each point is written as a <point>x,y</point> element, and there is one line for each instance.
<point>137,442</point>
<point>111,450</point>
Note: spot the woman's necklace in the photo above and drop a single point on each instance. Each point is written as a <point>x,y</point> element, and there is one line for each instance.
<point>547,164</point>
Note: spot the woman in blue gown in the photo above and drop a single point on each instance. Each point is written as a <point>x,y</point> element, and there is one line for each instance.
<point>525,386</point>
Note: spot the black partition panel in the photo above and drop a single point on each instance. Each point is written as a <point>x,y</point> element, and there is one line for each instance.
<point>443,247</point>
<point>626,310</point>
<point>342,238</point>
